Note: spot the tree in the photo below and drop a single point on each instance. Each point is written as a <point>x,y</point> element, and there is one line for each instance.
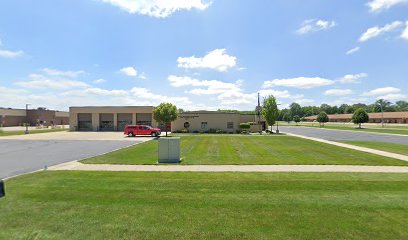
<point>287,117</point>
<point>165,113</point>
<point>360,116</point>
<point>342,109</point>
<point>322,118</point>
<point>270,110</point>
<point>383,105</point>
<point>296,119</point>
<point>401,106</point>
<point>296,109</point>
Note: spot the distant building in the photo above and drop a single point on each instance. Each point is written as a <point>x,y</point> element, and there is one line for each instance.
<point>203,121</point>
<point>115,118</point>
<point>10,117</point>
<point>389,117</point>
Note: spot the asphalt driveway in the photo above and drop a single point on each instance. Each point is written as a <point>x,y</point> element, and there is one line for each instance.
<point>339,135</point>
<point>26,153</point>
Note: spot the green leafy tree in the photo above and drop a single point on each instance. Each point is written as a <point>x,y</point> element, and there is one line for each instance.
<point>360,116</point>
<point>296,109</point>
<point>322,118</point>
<point>401,106</point>
<point>287,117</point>
<point>270,110</point>
<point>296,119</point>
<point>165,113</point>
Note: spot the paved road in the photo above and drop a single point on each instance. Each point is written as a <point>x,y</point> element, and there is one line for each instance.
<point>21,156</point>
<point>340,135</point>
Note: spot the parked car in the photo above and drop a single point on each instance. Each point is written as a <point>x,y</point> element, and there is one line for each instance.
<point>133,130</point>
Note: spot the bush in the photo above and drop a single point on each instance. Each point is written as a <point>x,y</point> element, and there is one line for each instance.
<point>185,130</point>
<point>212,130</point>
<point>244,126</point>
<point>195,131</point>
<point>219,131</point>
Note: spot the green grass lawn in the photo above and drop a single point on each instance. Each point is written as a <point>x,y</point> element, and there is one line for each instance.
<point>12,133</point>
<point>387,129</point>
<point>389,147</point>
<point>107,205</point>
<point>245,149</point>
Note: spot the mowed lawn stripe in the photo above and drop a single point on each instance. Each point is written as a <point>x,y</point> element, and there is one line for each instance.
<point>239,149</point>
<point>106,205</point>
<point>388,147</point>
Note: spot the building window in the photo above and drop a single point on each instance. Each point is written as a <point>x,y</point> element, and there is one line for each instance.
<point>230,125</point>
<point>203,125</point>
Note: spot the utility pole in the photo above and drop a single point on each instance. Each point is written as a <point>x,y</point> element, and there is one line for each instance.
<point>382,115</point>
<point>258,109</point>
<point>277,122</point>
<point>26,131</point>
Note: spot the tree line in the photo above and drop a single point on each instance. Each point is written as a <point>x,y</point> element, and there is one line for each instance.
<point>378,106</point>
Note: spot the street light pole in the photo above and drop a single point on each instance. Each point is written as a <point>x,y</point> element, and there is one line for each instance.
<point>26,131</point>
<point>277,122</point>
<point>382,116</point>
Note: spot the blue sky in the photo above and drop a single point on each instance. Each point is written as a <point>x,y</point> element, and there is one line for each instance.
<point>201,54</point>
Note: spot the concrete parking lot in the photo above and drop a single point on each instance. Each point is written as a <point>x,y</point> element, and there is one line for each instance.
<point>26,153</point>
<point>339,135</point>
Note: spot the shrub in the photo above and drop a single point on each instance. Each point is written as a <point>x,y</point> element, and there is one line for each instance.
<point>244,126</point>
<point>219,131</point>
<point>195,131</point>
<point>185,130</point>
<point>212,130</point>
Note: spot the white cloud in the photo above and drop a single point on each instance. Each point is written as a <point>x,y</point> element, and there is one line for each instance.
<point>404,33</point>
<point>353,78</point>
<point>353,50</point>
<point>158,8</point>
<point>143,76</point>
<point>217,59</point>
<point>379,5</point>
<point>206,87</point>
<point>394,97</point>
<point>53,79</point>
<point>382,91</point>
<point>338,92</point>
<point>145,93</point>
<point>300,82</point>
<point>275,93</point>
<point>59,73</point>
<point>11,54</point>
<point>39,81</point>
<point>100,80</point>
<point>129,71</point>
<point>314,25</point>
<point>377,31</point>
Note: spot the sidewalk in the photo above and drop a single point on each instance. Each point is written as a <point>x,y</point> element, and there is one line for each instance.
<point>77,166</point>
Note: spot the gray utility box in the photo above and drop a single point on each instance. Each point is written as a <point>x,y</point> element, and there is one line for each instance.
<point>169,150</point>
